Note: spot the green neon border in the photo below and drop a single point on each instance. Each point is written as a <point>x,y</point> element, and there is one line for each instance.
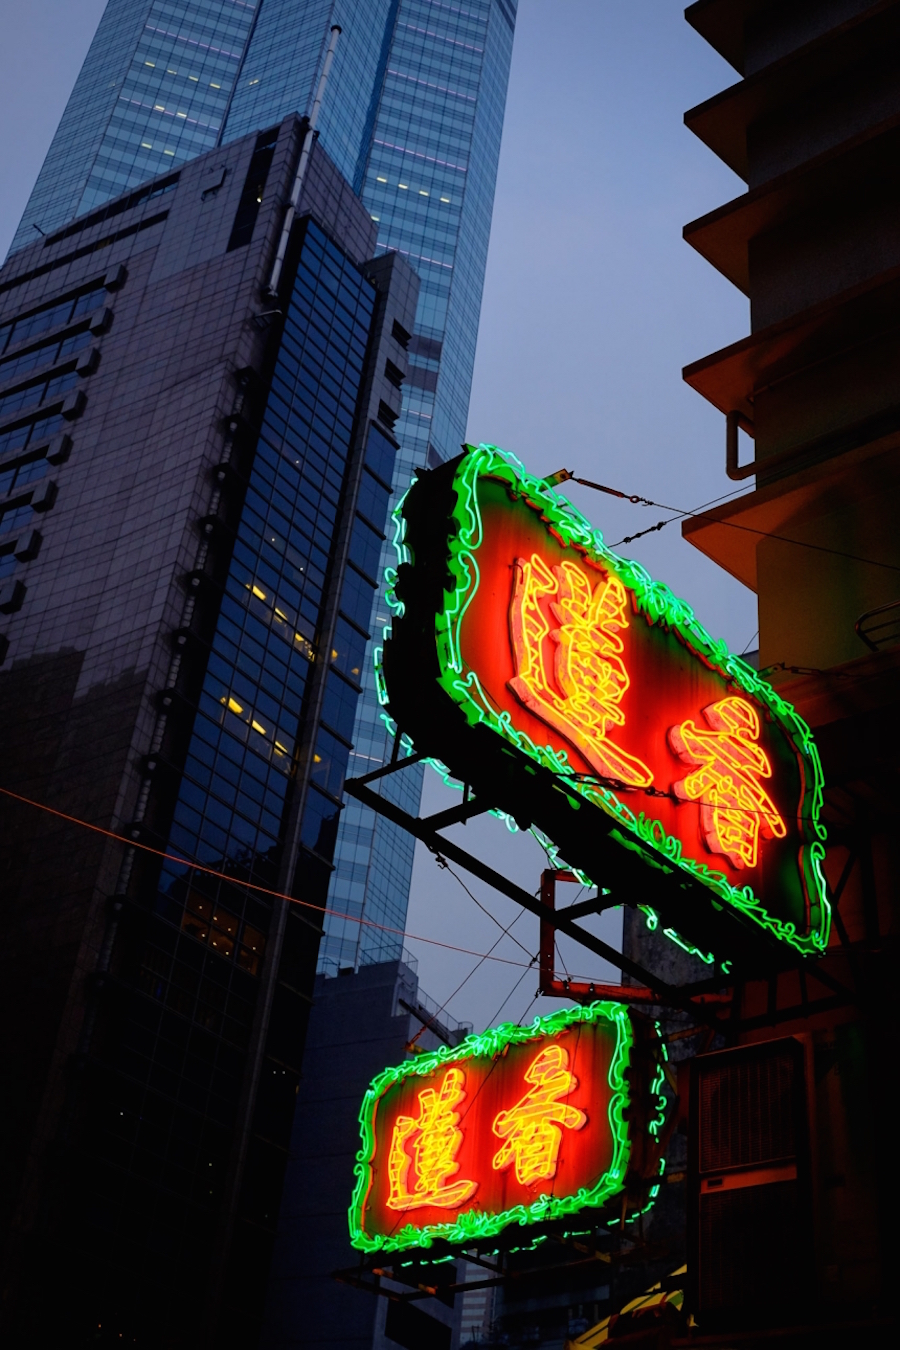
<point>658,604</point>
<point>474,1226</point>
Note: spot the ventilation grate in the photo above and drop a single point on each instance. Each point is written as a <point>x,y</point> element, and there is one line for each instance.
<point>747,1112</point>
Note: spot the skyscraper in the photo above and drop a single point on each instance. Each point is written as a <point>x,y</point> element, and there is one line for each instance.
<point>412,117</point>
<point>194,477</point>
<point>429,182</point>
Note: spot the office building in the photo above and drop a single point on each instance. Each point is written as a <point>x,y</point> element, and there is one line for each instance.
<point>412,117</point>
<point>360,1023</point>
<point>195,476</point>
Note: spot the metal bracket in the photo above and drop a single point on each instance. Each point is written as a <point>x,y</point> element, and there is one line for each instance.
<point>667,995</point>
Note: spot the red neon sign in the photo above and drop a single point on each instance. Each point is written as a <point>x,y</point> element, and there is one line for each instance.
<point>581,672</point>
<point>571,691</point>
<point>516,1125</point>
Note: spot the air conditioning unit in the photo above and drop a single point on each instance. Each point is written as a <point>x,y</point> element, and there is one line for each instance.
<point>749,1210</point>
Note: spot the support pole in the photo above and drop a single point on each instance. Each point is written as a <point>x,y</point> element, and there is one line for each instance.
<point>275,278</point>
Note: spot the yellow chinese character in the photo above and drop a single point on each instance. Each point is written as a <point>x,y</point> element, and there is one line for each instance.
<point>434,1138</point>
<point>533,1127</point>
<point>580,697</point>
<point>734,809</point>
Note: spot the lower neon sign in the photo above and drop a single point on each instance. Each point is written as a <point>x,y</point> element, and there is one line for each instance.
<point>518,1125</point>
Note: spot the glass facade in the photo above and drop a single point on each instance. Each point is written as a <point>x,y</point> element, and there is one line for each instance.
<point>429,183</point>
<point>412,116</point>
<point>281,71</point>
<point>178,1055</point>
<point>152,93</point>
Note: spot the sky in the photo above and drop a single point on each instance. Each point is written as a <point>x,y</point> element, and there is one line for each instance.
<point>592,305</point>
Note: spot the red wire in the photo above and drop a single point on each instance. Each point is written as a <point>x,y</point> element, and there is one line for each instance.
<point>251,886</point>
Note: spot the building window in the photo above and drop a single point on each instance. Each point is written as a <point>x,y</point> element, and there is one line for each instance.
<point>50,316</point>
<point>38,392</point>
<point>48,353</point>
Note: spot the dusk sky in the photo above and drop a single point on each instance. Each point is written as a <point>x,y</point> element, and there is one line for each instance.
<point>592,306</point>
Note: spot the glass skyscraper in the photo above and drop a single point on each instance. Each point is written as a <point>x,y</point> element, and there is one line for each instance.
<point>412,117</point>
<point>428,181</point>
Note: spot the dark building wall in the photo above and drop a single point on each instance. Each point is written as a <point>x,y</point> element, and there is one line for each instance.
<point>360,1023</point>
<point>813,128</point>
<point>110,587</point>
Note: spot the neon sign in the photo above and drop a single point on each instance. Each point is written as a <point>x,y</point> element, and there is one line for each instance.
<point>518,1125</point>
<point>577,695</point>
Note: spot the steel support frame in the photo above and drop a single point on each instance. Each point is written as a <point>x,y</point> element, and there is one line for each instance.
<point>427,830</point>
<point>706,1001</point>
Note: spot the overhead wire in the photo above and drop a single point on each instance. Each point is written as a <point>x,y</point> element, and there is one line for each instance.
<point>445,866</point>
<point>505,932</point>
<point>493,1020</point>
<point>268,891</point>
<point>699,511</point>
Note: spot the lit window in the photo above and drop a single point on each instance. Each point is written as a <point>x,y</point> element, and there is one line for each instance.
<point>253,81</point>
<point>158,107</point>
<point>260,595</point>
<point>234,706</point>
<point>381,180</point>
<point>376,218</point>
<point>214,86</point>
<point>445,199</point>
<point>422,192</point>
<point>181,114</point>
<point>195,78</point>
<point>171,72</point>
<point>146,145</point>
<point>152,64</point>
<point>403,186</point>
<point>256,726</point>
<point>168,152</point>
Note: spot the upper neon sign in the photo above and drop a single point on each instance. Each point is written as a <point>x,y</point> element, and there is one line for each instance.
<point>570,690</point>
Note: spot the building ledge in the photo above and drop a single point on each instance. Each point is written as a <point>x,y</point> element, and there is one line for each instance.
<point>856,167</point>
<point>731,377</point>
<point>729,534</point>
<point>722,24</point>
<point>721,122</point>
<point>863,685</point>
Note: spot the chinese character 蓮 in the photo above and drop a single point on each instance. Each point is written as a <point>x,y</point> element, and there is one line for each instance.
<point>427,1146</point>
<point>577,686</point>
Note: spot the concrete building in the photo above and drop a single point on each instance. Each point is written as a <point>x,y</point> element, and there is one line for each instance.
<point>812,127</point>
<point>195,477</point>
